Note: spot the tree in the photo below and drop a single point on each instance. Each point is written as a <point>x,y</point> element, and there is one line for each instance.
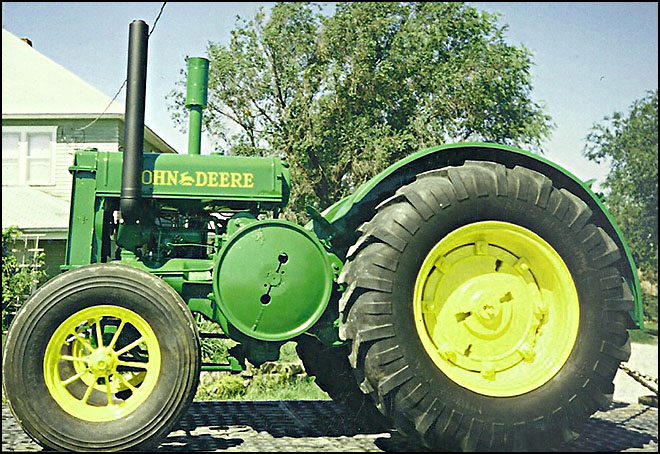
<point>629,143</point>
<point>343,96</point>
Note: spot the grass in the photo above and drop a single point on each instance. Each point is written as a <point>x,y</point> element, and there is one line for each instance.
<point>281,380</point>
<point>648,336</point>
<point>261,386</point>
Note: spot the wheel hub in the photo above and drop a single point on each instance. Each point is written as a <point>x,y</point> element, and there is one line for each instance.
<point>485,314</point>
<point>484,299</point>
<point>103,361</point>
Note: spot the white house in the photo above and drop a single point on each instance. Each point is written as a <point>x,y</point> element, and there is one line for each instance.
<point>47,113</point>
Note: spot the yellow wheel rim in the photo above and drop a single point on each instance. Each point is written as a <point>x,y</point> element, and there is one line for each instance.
<point>102,363</point>
<point>496,308</point>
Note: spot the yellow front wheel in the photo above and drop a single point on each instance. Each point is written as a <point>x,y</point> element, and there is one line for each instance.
<point>485,309</point>
<point>102,363</point>
<point>103,357</point>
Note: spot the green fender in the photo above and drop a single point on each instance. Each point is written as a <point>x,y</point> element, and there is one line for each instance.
<point>348,213</point>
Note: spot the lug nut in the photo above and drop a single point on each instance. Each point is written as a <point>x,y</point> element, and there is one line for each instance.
<point>521,264</point>
<point>527,352</point>
<point>481,247</point>
<point>488,372</point>
<point>447,352</point>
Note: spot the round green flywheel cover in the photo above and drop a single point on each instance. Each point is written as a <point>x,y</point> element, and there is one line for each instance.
<point>272,280</point>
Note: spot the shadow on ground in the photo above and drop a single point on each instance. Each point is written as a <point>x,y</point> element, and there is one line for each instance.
<point>318,426</point>
<point>623,427</point>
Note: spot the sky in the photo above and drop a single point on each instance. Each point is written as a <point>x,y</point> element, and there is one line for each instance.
<point>590,59</point>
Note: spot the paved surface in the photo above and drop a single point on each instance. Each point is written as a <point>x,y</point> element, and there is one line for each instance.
<point>321,426</point>
<point>643,359</point>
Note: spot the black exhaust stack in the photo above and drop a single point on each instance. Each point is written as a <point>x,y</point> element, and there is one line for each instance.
<point>131,184</point>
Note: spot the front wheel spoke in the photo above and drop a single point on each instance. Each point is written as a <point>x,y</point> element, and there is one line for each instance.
<point>89,391</point>
<point>70,380</point>
<point>130,346</point>
<point>99,333</point>
<point>126,382</point>
<point>84,341</point>
<point>133,364</point>
<point>108,389</point>
<point>116,336</point>
<point>73,358</point>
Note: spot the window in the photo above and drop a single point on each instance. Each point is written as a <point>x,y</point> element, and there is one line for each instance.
<point>28,155</point>
<point>10,154</point>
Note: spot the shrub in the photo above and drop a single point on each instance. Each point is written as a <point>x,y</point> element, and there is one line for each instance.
<point>18,280</point>
<point>650,304</point>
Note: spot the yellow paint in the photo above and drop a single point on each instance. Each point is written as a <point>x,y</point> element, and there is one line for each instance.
<point>147,177</point>
<point>171,177</point>
<point>213,179</point>
<point>210,179</point>
<point>88,389</point>
<point>496,308</point>
<point>202,179</point>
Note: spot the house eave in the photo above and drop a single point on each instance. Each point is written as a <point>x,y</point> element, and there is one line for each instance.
<point>150,135</point>
<point>59,116</point>
<point>46,233</point>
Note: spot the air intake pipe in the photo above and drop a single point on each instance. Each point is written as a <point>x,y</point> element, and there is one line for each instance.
<point>131,184</point>
<point>196,97</point>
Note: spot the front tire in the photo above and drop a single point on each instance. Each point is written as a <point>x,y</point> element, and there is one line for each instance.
<point>485,309</point>
<point>102,357</point>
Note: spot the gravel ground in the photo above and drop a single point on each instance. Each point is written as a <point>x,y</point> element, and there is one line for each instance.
<point>321,426</point>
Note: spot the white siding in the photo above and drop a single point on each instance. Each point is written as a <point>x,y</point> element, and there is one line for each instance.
<point>64,159</point>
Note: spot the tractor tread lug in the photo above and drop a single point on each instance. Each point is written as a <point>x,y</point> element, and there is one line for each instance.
<point>394,380</point>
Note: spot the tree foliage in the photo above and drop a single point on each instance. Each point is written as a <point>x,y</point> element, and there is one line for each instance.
<point>343,96</point>
<point>17,281</point>
<point>629,143</point>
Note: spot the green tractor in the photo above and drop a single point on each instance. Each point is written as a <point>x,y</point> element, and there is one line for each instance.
<point>472,296</point>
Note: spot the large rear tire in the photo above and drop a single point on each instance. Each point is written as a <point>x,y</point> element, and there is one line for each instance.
<point>334,375</point>
<point>102,357</point>
<point>485,309</point>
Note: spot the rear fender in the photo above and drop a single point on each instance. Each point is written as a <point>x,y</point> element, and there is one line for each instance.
<point>349,213</point>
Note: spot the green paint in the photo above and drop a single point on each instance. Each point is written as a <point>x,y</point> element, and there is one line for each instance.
<point>203,306</point>
<point>263,280</point>
<point>82,213</point>
<point>195,130</point>
<point>197,82</point>
<point>272,280</point>
<point>231,366</point>
<point>441,155</point>
<point>214,177</point>
<point>178,266</point>
<point>196,98</point>
<point>238,221</point>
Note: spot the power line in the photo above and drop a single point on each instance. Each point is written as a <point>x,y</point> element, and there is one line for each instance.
<point>125,80</point>
<point>157,18</point>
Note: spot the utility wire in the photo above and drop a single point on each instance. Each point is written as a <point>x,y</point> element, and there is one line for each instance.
<point>162,7</point>
<point>125,80</point>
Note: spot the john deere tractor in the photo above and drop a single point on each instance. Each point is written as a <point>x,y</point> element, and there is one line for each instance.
<point>473,296</point>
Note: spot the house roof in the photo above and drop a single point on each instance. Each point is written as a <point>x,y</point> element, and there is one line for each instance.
<point>35,87</point>
<point>53,89</point>
<point>47,215</point>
